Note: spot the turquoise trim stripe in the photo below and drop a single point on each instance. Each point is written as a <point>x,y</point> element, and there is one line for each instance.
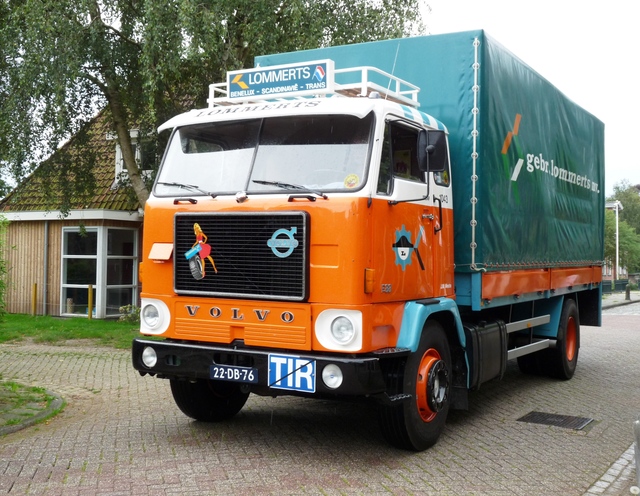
<point>415,316</point>
<point>407,112</point>
<point>418,116</point>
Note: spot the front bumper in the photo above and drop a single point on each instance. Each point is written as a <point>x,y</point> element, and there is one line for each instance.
<point>362,376</point>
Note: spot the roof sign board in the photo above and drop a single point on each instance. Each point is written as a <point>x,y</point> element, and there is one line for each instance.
<point>281,81</point>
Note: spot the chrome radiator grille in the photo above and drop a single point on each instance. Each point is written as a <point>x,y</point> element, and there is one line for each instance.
<point>255,255</point>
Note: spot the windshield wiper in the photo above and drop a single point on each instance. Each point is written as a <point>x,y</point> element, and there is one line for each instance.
<point>190,187</point>
<point>290,186</point>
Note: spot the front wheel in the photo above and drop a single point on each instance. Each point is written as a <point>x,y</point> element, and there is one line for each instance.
<point>417,423</point>
<point>208,401</point>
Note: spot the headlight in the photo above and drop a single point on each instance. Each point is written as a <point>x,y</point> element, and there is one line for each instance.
<point>342,330</point>
<point>149,357</point>
<point>339,329</point>
<point>332,376</point>
<point>150,315</point>
<point>154,316</point>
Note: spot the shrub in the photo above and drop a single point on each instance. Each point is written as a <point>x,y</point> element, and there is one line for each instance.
<point>130,313</point>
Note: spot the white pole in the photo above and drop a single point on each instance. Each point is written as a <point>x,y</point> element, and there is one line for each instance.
<point>636,433</point>
<point>617,271</point>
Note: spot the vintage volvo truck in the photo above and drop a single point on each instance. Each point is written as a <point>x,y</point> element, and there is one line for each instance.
<point>390,221</point>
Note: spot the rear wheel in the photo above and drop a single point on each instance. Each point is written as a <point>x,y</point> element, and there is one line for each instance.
<point>208,401</point>
<point>561,361</point>
<point>417,423</point>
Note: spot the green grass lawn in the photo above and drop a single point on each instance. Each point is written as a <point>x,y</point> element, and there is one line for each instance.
<point>56,330</point>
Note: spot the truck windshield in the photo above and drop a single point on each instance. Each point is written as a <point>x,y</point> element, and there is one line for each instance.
<point>320,152</point>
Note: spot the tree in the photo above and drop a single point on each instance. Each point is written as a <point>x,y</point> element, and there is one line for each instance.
<point>146,60</point>
<point>629,196</point>
<point>628,226</point>
<point>628,242</point>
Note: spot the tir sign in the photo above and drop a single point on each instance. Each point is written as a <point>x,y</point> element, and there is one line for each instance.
<point>292,373</point>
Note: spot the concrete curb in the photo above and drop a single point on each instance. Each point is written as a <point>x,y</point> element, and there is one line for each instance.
<point>53,407</point>
<point>619,479</point>
<point>619,304</point>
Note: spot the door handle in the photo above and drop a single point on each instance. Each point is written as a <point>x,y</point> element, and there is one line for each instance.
<point>439,226</point>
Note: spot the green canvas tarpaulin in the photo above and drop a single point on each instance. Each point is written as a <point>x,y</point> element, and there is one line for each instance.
<point>527,163</point>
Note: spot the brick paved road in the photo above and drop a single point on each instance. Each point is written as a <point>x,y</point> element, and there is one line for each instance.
<point>121,434</point>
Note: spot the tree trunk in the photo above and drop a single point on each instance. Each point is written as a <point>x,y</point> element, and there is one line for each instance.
<point>124,139</point>
<point>111,90</point>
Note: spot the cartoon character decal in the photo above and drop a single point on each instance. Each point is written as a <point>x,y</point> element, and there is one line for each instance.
<point>199,253</point>
<point>403,247</point>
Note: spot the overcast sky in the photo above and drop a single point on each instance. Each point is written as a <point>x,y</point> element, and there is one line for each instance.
<point>589,50</point>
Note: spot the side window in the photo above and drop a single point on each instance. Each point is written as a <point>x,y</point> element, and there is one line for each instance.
<point>384,178</point>
<point>399,156</point>
<point>442,178</point>
<point>440,158</point>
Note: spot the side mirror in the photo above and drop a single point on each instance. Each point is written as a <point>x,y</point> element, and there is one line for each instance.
<point>432,151</point>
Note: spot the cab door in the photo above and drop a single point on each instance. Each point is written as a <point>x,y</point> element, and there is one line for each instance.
<point>403,219</point>
<point>442,242</point>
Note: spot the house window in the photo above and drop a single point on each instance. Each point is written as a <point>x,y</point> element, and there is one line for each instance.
<point>79,270</point>
<point>144,151</point>
<point>121,262</point>
<point>105,258</point>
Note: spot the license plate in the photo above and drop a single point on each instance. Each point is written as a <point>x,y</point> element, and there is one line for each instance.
<point>292,373</point>
<point>234,373</point>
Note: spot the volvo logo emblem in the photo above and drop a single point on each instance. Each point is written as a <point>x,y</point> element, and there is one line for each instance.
<point>287,243</point>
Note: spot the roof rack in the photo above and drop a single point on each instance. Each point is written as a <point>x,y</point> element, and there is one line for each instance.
<point>310,79</point>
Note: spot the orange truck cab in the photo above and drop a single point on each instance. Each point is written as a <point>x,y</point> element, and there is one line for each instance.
<point>303,236</point>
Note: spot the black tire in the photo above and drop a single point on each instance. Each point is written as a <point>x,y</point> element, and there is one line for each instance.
<point>560,362</point>
<point>416,424</point>
<point>530,364</point>
<point>208,401</point>
<point>195,266</point>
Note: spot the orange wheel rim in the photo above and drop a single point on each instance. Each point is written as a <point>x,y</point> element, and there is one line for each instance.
<point>428,361</point>
<point>571,339</point>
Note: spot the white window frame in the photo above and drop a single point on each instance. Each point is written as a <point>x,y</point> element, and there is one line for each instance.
<point>63,285</point>
<point>134,267</point>
<point>101,257</point>
<point>120,169</point>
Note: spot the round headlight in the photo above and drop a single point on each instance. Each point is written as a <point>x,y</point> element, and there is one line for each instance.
<point>151,316</point>
<point>342,330</point>
<point>155,316</point>
<point>332,376</point>
<point>149,357</point>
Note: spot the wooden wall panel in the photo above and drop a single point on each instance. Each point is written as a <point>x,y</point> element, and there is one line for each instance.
<point>25,252</point>
<point>24,264</point>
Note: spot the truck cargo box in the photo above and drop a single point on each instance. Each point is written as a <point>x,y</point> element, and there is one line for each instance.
<point>527,162</point>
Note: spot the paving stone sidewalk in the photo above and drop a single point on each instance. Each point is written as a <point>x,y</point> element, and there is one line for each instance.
<point>121,434</point>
